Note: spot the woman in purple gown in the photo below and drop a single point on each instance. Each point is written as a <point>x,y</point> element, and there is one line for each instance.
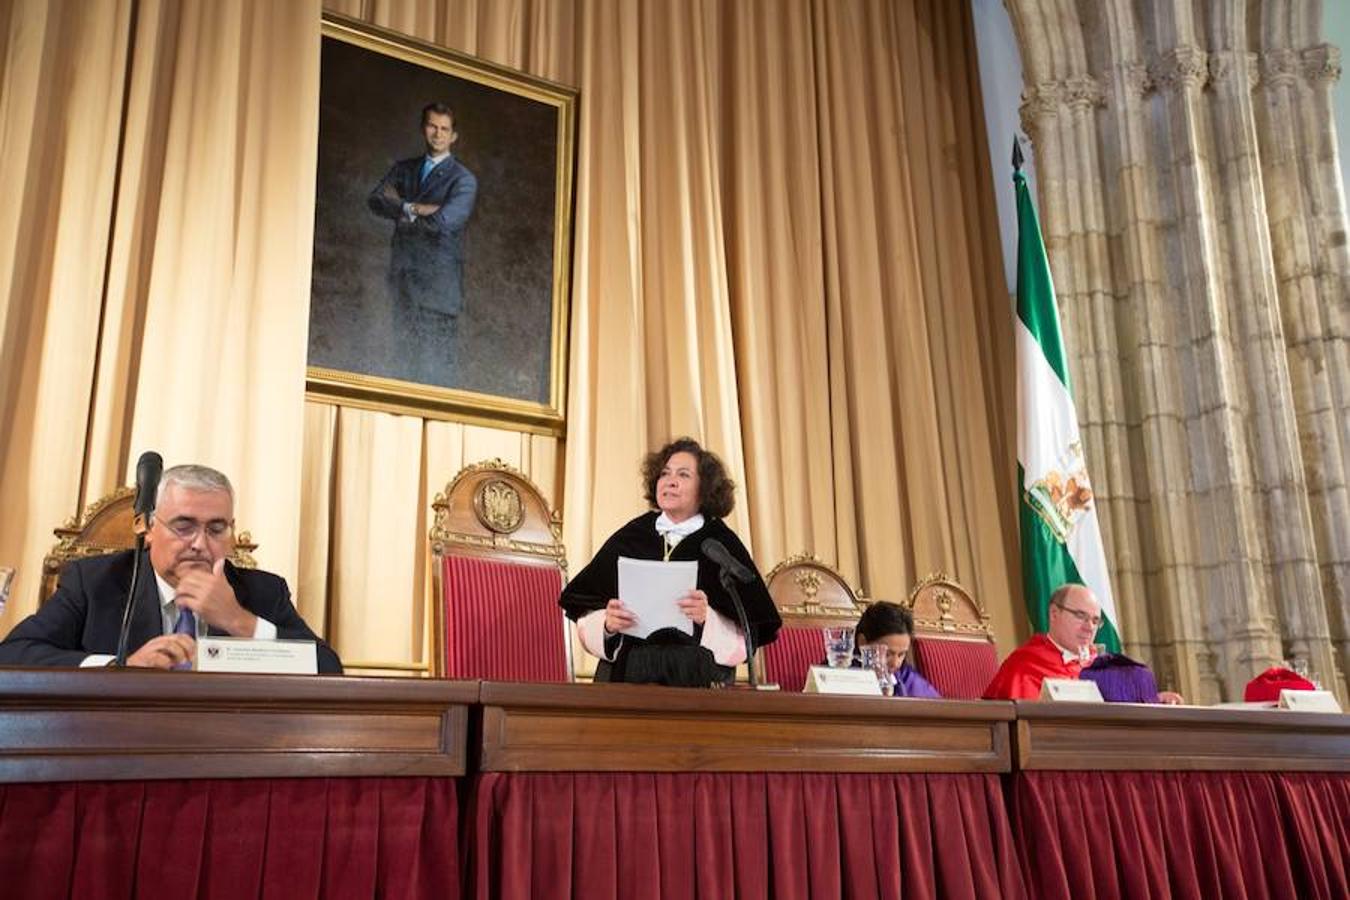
<point>892,626</point>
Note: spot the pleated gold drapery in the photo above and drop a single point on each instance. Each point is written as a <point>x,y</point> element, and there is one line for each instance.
<point>783,246</point>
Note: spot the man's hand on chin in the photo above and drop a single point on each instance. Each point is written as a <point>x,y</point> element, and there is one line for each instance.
<point>209,595</point>
<point>164,652</point>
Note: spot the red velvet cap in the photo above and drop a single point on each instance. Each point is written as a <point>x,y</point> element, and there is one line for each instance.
<point>1266,687</point>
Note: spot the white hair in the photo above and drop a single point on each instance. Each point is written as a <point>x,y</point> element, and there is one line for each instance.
<point>194,478</point>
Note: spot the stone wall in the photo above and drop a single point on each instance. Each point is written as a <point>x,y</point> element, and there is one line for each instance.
<point>1196,226</point>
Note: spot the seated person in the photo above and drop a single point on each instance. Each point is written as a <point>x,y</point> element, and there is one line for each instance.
<point>690,492</point>
<point>1063,652</point>
<point>188,577</point>
<point>892,625</point>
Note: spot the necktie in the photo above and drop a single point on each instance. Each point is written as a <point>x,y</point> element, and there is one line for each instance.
<point>427,166</point>
<point>186,624</point>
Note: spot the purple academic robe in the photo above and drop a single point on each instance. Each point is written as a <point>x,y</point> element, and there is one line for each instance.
<point>909,683</point>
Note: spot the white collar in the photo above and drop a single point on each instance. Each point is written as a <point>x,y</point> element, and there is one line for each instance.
<point>166,591</point>
<point>437,160</point>
<point>1069,655</point>
<point>674,532</point>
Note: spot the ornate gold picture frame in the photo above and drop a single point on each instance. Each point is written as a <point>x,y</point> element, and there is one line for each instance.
<point>441,285</point>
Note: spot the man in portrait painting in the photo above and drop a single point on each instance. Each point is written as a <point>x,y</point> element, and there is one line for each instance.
<point>430,199</point>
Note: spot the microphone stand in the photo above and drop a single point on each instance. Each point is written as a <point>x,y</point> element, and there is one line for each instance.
<point>125,633</point>
<point>729,584</point>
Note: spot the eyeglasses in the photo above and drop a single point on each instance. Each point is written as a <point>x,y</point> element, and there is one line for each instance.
<point>186,529</point>
<point>1080,615</point>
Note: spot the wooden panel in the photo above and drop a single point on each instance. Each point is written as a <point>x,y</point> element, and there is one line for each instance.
<point>634,728</point>
<point>61,725</point>
<point>1121,736</point>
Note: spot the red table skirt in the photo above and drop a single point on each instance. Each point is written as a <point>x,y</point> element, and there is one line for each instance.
<point>707,835</point>
<point>274,838</point>
<point>1079,836</point>
<point>1183,835</point>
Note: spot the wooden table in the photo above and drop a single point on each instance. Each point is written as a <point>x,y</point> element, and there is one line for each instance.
<point>633,728</point>
<point>1143,737</point>
<point>1123,800</point>
<point>110,725</point>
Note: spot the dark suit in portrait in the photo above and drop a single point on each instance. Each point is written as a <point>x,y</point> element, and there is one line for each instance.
<point>426,264</point>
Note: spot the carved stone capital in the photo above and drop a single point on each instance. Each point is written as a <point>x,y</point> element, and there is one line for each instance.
<point>1322,64</point>
<point>1138,81</point>
<point>1280,68</point>
<point>1182,68</point>
<point>1236,65</point>
<point>1049,98</point>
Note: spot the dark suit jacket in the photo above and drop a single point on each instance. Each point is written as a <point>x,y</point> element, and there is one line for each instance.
<point>84,616</point>
<point>426,264</point>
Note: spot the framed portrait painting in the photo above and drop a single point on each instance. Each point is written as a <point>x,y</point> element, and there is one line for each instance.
<point>442,233</point>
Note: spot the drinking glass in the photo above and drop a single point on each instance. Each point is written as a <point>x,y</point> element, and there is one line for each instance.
<point>839,646</point>
<point>874,658</point>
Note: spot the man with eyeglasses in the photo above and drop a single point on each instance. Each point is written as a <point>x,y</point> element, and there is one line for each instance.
<point>193,589</point>
<point>1062,652</point>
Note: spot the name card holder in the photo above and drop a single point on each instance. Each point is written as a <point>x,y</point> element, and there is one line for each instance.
<point>1070,690</point>
<point>1309,701</point>
<point>828,680</point>
<point>245,655</point>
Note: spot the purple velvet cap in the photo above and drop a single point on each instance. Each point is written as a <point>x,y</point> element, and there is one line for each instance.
<point>1121,679</point>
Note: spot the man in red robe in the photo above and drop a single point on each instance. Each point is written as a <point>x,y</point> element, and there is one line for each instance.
<point>1062,652</point>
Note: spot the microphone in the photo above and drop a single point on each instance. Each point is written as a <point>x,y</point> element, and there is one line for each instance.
<point>733,570</point>
<point>718,553</point>
<point>148,470</point>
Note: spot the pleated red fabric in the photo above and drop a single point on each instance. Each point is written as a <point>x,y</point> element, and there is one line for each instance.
<point>960,670</point>
<point>794,651</point>
<point>1183,835</point>
<point>610,836</point>
<point>503,622</point>
<point>267,838</point>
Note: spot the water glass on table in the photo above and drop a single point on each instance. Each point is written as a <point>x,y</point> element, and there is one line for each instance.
<point>874,658</point>
<point>839,645</point>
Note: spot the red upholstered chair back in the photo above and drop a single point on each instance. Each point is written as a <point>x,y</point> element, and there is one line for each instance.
<point>953,648</point>
<point>809,594</point>
<point>499,569</point>
<point>786,660</point>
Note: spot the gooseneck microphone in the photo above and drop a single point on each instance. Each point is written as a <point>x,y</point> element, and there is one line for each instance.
<point>149,468</point>
<point>732,570</point>
<point>718,553</point>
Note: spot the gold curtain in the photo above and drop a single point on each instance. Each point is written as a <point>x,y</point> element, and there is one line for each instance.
<point>784,246</point>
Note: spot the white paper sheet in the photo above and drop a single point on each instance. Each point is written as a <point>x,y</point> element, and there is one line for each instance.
<point>651,588</point>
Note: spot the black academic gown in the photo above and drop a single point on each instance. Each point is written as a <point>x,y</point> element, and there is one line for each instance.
<point>669,656</point>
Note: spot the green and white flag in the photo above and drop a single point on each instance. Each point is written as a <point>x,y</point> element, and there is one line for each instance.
<point>1061,540</point>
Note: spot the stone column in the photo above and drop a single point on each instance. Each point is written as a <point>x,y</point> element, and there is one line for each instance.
<point>1197,237</point>
<point>1307,220</point>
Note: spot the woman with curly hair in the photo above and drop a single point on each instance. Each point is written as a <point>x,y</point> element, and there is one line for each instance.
<point>689,492</point>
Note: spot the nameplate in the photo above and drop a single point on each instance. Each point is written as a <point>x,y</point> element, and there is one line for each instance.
<point>828,680</point>
<point>1309,701</point>
<point>1070,690</point>
<point>244,655</point>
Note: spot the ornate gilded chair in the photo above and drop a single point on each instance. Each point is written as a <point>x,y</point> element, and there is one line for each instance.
<point>953,647</point>
<point>499,567</point>
<point>810,594</point>
<point>105,527</point>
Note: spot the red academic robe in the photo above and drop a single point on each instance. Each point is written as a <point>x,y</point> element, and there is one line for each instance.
<point>1020,676</point>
